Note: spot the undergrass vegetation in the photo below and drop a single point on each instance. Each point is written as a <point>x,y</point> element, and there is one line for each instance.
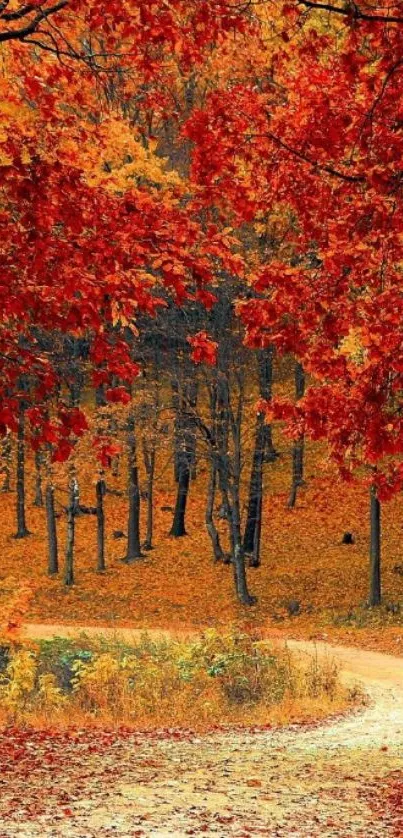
<point>201,683</point>
<point>361,617</point>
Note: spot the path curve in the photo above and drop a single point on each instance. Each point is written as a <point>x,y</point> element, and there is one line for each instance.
<point>306,782</point>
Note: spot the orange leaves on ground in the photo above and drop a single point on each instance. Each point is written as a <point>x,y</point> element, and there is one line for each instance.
<point>178,586</point>
<point>14,610</point>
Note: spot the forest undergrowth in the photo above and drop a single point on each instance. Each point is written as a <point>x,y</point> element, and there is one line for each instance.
<point>201,684</point>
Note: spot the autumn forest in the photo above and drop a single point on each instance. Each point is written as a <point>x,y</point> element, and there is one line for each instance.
<point>201,414</point>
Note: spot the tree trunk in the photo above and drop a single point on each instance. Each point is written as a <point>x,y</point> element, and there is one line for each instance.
<point>76,376</point>
<point>299,444</point>
<point>238,555</point>
<point>253,519</point>
<point>270,452</point>
<point>241,585</point>
<point>191,437</point>
<point>100,399</point>
<point>218,553</point>
<point>176,410</point>
<point>133,530</point>
<point>38,500</point>
<point>220,403</point>
<point>375,595</point>
<point>149,461</point>
<point>71,521</point>
<point>178,525</point>
<point>53,563</point>
<point>75,391</point>
<point>150,451</point>
<point>265,365</point>
<point>215,467</point>
<point>100,491</point>
<point>255,557</point>
<point>22,530</point>
<point>113,430</point>
<point>184,444</point>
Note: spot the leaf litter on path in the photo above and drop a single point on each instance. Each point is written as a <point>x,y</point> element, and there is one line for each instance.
<point>314,781</point>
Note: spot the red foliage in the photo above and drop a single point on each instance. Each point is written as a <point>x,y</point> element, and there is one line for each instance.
<point>323,142</point>
<point>204,350</point>
<point>76,257</point>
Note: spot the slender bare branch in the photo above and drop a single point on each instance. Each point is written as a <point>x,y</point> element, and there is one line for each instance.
<point>314,163</point>
<point>351,10</point>
<point>31,27</point>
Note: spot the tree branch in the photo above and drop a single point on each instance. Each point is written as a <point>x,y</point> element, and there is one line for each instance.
<point>315,165</point>
<point>352,11</point>
<point>31,27</point>
<point>19,13</point>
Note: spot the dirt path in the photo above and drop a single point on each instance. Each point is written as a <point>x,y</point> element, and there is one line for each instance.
<point>294,782</point>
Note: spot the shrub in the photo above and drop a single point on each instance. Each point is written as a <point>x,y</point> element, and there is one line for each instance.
<point>59,657</point>
<point>18,682</point>
<point>49,694</point>
<point>210,680</point>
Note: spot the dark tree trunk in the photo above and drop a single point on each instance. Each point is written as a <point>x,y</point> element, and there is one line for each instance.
<point>299,444</point>
<point>191,399</point>
<point>241,585</point>
<point>76,376</point>
<point>75,391</point>
<point>230,493</point>
<point>53,562</point>
<point>253,519</point>
<point>133,529</point>
<point>113,429</point>
<point>72,510</point>
<point>220,402</point>
<point>226,438</point>
<point>100,399</point>
<point>38,500</point>
<point>227,515</point>
<point>270,452</point>
<point>149,462</point>
<point>240,576</point>
<point>148,543</point>
<point>178,524</point>
<point>375,593</point>
<point>150,449</point>
<point>100,491</point>
<point>176,410</point>
<point>115,465</point>
<point>255,557</point>
<point>6,455</point>
<point>214,480</point>
<point>265,364</point>
<point>22,530</point>
<point>234,472</point>
<point>184,452</point>
<point>218,553</point>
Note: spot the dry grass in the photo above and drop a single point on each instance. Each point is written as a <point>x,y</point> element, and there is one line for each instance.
<point>215,680</point>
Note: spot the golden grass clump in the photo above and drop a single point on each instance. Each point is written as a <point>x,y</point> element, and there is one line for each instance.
<point>214,680</point>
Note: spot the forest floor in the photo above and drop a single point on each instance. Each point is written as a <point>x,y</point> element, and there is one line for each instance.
<point>177,586</point>
<point>340,778</point>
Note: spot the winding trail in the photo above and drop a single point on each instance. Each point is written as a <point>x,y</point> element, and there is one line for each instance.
<point>306,782</point>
